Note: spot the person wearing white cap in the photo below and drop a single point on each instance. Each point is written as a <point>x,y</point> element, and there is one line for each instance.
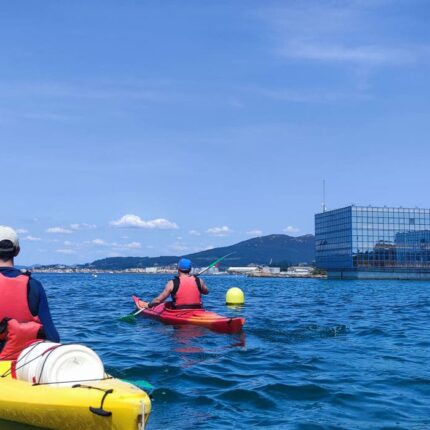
<point>24,310</point>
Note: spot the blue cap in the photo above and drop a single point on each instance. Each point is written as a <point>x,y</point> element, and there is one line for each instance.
<point>184,264</point>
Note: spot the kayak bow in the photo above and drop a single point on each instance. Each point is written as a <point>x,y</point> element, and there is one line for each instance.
<point>107,404</point>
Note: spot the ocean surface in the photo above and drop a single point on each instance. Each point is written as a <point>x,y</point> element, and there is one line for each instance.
<point>314,354</point>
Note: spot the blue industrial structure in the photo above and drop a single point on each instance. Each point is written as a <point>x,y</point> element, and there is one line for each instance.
<point>367,242</point>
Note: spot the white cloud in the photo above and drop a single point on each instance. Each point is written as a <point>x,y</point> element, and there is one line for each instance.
<point>68,243</point>
<point>134,221</point>
<point>89,90</point>
<point>99,242</point>
<point>235,102</point>
<point>219,231</point>
<point>58,230</point>
<point>32,238</point>
<point>338,53</point>
<point>83,226</point>
<point>115,245</point>
<point>131,245</point>
<point>21,231</point>
<point>312,96</point>
<point>254,233</point>
<point>194,233</point>
<point>179,247</point>
<point>291,230</point>
<point>65,251</point>
<point>327,32</point>
<point>203,248</point>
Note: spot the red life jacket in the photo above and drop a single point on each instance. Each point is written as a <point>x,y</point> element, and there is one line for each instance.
<point>20,326</point>
<point>186,292</point>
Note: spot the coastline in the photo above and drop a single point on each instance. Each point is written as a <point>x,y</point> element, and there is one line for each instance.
<point>169,272</point>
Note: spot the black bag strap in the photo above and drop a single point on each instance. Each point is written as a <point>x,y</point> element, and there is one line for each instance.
<point>3,325</point>
<point>175,286</point>
<point>199,283</point>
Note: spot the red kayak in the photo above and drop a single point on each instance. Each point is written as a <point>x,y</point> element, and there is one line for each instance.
<point>210,320</point>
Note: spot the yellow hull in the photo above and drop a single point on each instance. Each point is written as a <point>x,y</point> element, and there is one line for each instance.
<point>67,408</point>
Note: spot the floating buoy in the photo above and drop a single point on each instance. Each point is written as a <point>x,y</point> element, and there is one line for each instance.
<point>234,296</point>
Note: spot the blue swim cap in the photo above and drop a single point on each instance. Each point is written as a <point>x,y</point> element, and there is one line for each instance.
<point>184,264</point>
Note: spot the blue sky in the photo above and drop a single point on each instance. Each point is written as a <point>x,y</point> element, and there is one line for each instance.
<point>148,128</point>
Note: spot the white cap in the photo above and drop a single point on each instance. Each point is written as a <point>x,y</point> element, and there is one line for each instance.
<point>8,233</point>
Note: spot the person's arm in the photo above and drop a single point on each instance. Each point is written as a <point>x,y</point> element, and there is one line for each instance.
<point>204,287</point>
<point>38,304</point>
<point>163,296</point>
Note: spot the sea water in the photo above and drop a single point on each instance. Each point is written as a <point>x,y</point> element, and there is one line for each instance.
<point>314,354</point>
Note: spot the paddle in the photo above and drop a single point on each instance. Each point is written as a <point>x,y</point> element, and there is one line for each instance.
<point>130,317</point>
<point>214,264</point>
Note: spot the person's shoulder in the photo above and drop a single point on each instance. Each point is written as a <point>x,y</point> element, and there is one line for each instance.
<point>35,284</point>
<point>170,283</point>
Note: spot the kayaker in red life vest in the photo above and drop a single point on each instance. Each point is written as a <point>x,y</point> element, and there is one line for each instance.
<point>185,289</point>
<point>24,311</point>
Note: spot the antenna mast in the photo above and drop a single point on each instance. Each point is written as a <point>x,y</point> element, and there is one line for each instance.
<point>323,203</point>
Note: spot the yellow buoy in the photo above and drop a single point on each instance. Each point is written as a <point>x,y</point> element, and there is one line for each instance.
<point>234,296</point>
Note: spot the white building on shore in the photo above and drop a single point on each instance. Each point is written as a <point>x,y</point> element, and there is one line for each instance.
<point>299,271</point>
<point>242,270</point>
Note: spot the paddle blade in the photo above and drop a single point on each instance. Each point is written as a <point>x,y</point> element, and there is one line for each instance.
<point>130,318</point>
<point>141,383</point>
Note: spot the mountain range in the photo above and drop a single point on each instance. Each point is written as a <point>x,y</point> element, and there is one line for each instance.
<point>275,249</point>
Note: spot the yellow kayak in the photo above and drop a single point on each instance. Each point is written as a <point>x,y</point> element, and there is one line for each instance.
<point>108,404</point>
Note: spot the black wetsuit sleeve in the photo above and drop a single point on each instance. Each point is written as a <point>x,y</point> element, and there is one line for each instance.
<point>38,304</point>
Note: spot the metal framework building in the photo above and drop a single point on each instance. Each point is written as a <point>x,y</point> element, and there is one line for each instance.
<point>365,242</point>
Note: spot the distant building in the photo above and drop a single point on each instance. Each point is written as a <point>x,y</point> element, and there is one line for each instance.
<point>211,271</point>
<point>373,243</point>
<point>299,271</point>
<point>274,270</point>
<point>242,270</point>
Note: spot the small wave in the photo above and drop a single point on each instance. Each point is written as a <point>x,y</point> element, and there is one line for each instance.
<point>171,396</point>
<point>372,332</point>
<point>152,373</point>
<point>297,392</point>
<point>309,332</point>
<point>209,381</point>
<point>250,397</point>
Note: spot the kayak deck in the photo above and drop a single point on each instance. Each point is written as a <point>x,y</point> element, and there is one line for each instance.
<point>68,408</point>
<point>200,317</point>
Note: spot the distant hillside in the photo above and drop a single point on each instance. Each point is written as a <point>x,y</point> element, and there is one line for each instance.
<point>280,249</point>
<point>121,263</point>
